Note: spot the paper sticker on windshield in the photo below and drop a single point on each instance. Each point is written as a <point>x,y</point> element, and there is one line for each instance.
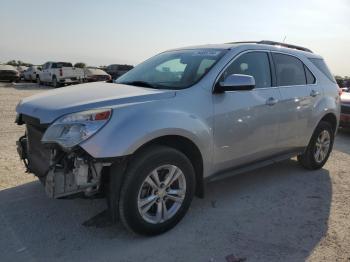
<point>206,53</point>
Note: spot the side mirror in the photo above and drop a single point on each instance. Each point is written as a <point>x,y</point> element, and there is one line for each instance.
<point>236,82</point>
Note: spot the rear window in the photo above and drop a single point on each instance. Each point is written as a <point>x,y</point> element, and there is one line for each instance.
<point>321,65</point>
<point>61,64</point>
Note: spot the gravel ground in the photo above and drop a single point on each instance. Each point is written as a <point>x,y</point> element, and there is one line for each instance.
<point>278,213</point>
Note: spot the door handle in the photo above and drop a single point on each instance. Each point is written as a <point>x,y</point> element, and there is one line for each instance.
<point>314,93</point>
<point>271,101</point>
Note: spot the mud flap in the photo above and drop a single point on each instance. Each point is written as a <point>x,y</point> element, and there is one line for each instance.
<point>116,179</point>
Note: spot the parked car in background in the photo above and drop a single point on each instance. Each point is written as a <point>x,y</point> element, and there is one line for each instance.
<point>93,74</point>
<point>116,70</point>
<point>9,73</point>
<point>21,70</point>
<point>345,89</point>
<point>31,72</point>
<point>59,73</point>
<point>184,117</point>
<point>345,110</point>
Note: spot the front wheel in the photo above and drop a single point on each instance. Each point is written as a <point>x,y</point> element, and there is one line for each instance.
<point>319,148</point>
<point>157,192</point>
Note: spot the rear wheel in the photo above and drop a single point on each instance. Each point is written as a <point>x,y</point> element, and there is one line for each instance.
<point>319,148</point>
<point>157,192</point>
<point>55,83</point>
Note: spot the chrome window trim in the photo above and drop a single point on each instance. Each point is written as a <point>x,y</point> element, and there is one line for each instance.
<point>235,58</point>
<point>266,51</point>
<point>284,53</point>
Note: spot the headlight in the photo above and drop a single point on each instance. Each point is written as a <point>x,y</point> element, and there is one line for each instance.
<point>72,129</point>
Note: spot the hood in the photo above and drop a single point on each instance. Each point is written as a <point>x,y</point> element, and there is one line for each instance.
<point>345,98</point>
<point>50,105</point>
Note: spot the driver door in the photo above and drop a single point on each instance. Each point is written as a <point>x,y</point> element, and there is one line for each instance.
<point>246,123</point>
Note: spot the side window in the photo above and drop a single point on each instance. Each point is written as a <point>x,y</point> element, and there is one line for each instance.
<point>289,70</point>
<point>310,78</point>
<point>255,64</point>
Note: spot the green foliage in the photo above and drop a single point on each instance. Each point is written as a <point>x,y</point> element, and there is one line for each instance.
<point>80,65</point>
<point>343,81</point>
<point>18,63</point>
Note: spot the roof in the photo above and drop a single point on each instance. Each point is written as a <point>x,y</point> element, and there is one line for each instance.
<point>265,44</point>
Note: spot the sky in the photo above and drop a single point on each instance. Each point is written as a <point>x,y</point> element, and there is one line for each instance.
<point>103,32</point>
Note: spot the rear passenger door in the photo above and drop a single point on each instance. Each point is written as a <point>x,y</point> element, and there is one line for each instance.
<point>44,76</point>
<point>295,82</point>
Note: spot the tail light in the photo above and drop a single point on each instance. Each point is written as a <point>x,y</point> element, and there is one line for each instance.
<point>61,72</point>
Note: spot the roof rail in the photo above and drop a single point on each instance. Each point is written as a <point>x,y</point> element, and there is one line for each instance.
<point>268,42</point>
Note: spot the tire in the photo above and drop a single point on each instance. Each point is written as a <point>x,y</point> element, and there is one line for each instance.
<point>55,84</point>
<point>161,160</point>
<point>38,80</point>
<point>310,159</point>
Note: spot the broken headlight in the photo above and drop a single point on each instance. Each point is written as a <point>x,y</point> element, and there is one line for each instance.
<point>72,129</point>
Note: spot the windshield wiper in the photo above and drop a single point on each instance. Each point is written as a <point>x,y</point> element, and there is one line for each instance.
<point>138,83</point>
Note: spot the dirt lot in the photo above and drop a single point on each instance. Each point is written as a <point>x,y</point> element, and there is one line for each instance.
<point>278,213</point>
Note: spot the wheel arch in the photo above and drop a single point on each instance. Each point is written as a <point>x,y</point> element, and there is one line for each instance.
<point>332,119</point>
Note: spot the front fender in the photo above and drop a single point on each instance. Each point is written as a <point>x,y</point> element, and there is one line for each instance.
<point>133,126</point>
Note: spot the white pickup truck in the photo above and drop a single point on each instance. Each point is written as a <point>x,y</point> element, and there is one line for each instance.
<point>59,73</point>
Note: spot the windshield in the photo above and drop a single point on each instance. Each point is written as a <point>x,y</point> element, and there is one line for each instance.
<point>173,69</point>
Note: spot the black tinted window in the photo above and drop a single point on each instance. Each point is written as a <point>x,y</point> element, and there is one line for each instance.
<point>289,70</point>
<point>310,78</point>
<point>321,65</point>
<point>63,64</point>
<point>255,64</point>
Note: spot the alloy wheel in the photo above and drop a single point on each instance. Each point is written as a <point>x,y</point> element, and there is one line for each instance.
<point>322,146</point>
<point>161,194</point>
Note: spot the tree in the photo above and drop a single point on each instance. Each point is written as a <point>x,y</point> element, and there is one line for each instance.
<point>80,65</point>
<point>12,63</point>
<point>18,63</point>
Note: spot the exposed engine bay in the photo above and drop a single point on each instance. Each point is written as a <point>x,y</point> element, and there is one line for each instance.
<point>62,173</point>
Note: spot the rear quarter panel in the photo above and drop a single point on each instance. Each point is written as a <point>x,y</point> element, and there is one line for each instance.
<point>327,102</point>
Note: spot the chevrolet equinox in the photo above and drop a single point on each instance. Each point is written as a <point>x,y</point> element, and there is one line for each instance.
<point>150,141</point>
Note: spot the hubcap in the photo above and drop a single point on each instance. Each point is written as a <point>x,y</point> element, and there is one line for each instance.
<point>161,194</point>
<point>322,146</point>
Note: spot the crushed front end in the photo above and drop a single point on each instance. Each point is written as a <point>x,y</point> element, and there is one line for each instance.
<point>63,171</point>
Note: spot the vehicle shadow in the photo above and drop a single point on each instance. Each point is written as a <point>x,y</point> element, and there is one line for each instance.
<point>277,213</point>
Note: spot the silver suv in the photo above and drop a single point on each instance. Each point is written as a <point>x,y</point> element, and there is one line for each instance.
<point>151,140</point>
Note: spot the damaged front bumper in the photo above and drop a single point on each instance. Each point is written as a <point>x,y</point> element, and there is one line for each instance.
<point>62,173</point>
